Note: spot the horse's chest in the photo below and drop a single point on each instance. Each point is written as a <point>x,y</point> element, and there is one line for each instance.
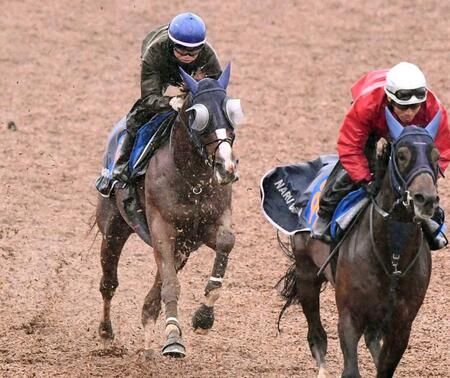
<point>197,209</point>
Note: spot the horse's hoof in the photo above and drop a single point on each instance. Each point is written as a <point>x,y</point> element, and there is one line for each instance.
<point>105,330</point>
<point>174,347</point>
<point>203,319</point>
<point>201,331</point>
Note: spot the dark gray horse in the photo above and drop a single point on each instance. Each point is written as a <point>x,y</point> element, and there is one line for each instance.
<point>186,197</point>
<point>384,264</point>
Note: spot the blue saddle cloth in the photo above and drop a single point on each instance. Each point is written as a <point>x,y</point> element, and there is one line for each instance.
<point>290,196</point>
<point>144,147</point>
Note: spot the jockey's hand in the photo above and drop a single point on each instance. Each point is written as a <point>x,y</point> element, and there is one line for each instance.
<point>370,187</point>
<point>176,103</point>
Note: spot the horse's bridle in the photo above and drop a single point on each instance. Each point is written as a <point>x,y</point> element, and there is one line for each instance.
<point>209,159</point>
<point>400,182</point>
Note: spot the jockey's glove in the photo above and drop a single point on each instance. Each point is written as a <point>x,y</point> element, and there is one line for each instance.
<point>370,187</point>
<point>176,103</point>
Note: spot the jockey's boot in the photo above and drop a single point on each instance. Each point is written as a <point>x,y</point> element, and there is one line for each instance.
<point>435,237</point>
<point>121,170</point>
<point>321,229</point>
<point>338,185</point>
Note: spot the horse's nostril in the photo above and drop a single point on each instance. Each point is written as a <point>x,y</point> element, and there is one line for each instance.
<point>419,198</point>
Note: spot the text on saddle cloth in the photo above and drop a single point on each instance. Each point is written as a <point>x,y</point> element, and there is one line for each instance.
<point>291,197</point>
<point>287,190</point>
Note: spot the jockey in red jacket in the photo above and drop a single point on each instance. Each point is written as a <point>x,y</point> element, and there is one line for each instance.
<point>404,90</point>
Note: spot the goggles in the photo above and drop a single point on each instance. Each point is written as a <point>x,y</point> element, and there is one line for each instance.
<point>407,94</point>
<point>191,51</point>
<point>406,107</point>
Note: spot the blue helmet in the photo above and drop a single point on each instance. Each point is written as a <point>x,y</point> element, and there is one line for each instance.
<point>187,29</point>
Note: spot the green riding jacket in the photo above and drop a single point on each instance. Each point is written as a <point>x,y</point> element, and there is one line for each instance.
<point>159,68</point>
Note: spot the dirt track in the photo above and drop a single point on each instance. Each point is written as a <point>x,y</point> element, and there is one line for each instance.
<point>69,70</point>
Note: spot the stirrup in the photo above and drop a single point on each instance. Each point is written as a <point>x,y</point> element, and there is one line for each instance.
<point>121,174</point>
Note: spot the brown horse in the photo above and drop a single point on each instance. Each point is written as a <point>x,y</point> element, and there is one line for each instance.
<point>186,197</point>
<point>384,265</point>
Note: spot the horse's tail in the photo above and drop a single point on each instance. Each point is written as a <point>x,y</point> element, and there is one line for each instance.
<point>287,285</point>
<point>91,224</point>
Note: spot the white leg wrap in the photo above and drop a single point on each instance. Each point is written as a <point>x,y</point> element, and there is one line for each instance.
<point>172,319</point>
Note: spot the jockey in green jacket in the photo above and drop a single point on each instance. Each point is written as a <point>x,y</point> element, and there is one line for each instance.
<point>179,44</point>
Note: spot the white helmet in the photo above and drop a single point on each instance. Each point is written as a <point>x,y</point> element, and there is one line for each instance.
<point>406,84</point>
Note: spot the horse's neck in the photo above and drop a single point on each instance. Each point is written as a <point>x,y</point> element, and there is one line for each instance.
<point>185,156</point>
<point>400,220</point>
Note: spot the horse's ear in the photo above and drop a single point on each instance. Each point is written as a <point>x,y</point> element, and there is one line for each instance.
<point>190,82</point>
<point>395,127</point>
<point>225,77</point>
<point>433,126</point>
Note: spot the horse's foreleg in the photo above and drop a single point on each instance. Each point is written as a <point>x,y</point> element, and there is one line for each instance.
<point>163,237</point>
<point>395,342</point>
<point>221,239</point>
<point>372,339</point>
<point>111,248</point>
<point>350,331</point>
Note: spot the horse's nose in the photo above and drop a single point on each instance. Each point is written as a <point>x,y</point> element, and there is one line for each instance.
<point>227,168</point>
<point>427,201</point>
<point>227,172</point>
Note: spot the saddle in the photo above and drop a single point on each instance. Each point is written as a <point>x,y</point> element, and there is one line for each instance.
<point>290,197</point>
<point>149,138</point>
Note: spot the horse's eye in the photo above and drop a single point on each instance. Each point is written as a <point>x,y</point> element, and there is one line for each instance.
<point>435,155</point>
<point>403,155</point>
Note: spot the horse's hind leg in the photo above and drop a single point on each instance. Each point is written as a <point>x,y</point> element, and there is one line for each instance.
<point>150,311</point>
<point>221,239</point>
<point>308,289</point>
<point>115,233</point>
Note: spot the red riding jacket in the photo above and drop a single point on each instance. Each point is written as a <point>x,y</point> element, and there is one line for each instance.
<point>366,116</point>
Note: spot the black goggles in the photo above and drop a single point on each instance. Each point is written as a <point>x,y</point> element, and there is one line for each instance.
<point>191,51</point>
<point>408,106</point>
<point>406,94</point>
